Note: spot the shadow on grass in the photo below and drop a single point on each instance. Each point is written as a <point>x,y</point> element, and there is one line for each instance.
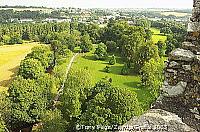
<point>91,57</point>
<point>116,69</point>
<point>5,83</point>
<point>159,34</point>
<point>113,69</point>
<point>136,85</point>
<point>143,94</point>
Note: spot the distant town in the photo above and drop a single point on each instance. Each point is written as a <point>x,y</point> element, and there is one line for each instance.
<point>22,14</point>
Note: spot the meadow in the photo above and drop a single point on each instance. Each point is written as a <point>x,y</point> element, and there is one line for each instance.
<point>178,14</point>
<point>96,69</point>
<point>157,36</point>
<point>10,58</point>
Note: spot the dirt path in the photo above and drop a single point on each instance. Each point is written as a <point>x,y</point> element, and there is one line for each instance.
<point>63,84</point>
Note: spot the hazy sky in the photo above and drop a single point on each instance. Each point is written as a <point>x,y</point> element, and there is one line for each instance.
<point>103,3</point>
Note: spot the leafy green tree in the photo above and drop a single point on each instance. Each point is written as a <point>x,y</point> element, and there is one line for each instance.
<point>111,46</point>
<point>165,30</point>
<point>43,54</point>
<point>15,39</point>
<point>131,46</point>
<point>31,68</point>
<point>100,52</point>
<point>108,105</point>
<point>143,23</point>
<point>4,112</point>
<point>125,70</point>
<point>76,90</point>
<point>152,75</point>
<point>71,42</point>
<point>47,39</point>
<point>102,104</point>
<point>170,43</point>
<point>112,60</point>
<point>149,34</point>
<point>145,53</point>
<point>6,39</point>
<point>26,35</point>
<point>29,102</point>
<point>53,121</point>
<point>161,48</point>
<point>59,51</point>
<point>35,38</point>
<point>93,31</point>
<point>86,43</point>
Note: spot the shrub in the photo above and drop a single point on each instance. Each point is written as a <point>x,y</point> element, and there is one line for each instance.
<point>112,60</point>
<point>125,70</point>
<point>107,69</point>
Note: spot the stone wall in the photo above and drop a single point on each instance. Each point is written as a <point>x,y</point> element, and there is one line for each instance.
<point>180,94</point>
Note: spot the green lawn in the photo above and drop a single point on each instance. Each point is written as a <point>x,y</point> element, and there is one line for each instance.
<point>157,36</point>
<point>96,67</point>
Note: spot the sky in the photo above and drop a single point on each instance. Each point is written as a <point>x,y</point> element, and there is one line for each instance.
<point>103,3</point>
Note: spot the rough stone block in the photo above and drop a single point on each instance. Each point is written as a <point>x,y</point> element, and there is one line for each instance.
<point>181,55</point>
<point>173,91</point>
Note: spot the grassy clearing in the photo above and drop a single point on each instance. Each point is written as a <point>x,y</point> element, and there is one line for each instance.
<point>178,14</point>
<point>96,67</point>
<point>157,36</point>
<point>10,58</point>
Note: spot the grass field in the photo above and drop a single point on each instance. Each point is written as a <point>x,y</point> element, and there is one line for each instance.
<point>157,36</point>
<point>96,67</point>
<point>178,14</point>
<point>10,57</point>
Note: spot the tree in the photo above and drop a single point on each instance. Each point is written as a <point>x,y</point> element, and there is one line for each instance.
<point>125,70</point>
<point>108,105</point>
<point>58,50</point>
<point>26,35</point>
<point>29,102</point>
<point>86,43</point>
<point>6,39</point>
<point>112,60</point>
<point>15,39</point>
<point>112,46</point>
<point>149,34</point>
<point>102,104</point>
<point>100,52</point>
<point>170,43</point>
<point>53,121</point>
<point>75,92</point>
<point>35,38</point>
<point>4,112</point>
<point>30,69</point>
<point>143,23</point>
<point>165,30</point>
<point>152,75</point>
<point>145,52</point>
<point>42,54</point>
<point>131,45</point>
<point>161,48</point>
